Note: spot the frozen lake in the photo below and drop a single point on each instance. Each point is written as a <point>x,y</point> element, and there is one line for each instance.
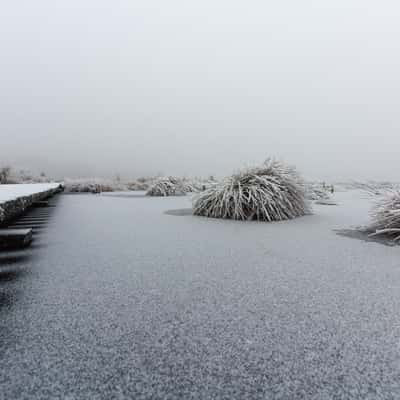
<point>118,299</point>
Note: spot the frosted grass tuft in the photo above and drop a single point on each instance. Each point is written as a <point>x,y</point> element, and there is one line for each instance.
<point>169,186</point>
<point>270,192</point>
<point>386,216</point>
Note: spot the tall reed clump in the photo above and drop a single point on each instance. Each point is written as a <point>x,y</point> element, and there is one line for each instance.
<point>168,186</point>
<point>270,192</point>
<point>386,216</point>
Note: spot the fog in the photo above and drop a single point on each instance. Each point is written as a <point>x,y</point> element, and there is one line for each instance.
<point>200,87</point>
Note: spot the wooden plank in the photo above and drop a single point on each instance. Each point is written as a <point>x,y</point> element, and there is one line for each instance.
<point>30,221</point>
<point>26,226</point>
<point>42,203</point>
<point>15,238</point>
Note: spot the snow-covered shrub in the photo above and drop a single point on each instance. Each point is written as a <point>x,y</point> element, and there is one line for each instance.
<point>271,192</point>
<point>386,216</point>
<point>168,186</point>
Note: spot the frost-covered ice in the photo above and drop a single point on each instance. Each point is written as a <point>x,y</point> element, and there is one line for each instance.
<point>122,300</point>
<point>13,192</point>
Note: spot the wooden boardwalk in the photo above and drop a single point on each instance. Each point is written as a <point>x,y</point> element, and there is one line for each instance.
<point>17,223</point>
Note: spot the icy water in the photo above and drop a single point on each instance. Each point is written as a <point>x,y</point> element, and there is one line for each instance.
<point>119,299</point>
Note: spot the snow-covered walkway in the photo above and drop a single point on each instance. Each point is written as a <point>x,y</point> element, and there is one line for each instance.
<point>15,199</point>
<point>13,192</point>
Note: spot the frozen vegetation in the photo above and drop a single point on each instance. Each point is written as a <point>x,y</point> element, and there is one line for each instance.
<point>96,185</point>
<point>164,186</point>
<point>200,184</point>
<point>160,186</point>
<point>168,186</point>
<point>316,191</point>
<point>386,216</point>
<point>375,188</point>
<point>140,184</point>
<point>9,175</point>
<point>270,192</point>
<point>175,186</point>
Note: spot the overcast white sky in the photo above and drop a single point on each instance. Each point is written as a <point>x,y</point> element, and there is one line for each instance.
<point>95,87</point>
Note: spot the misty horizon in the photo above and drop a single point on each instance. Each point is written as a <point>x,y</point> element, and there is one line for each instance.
<point>193,90</point>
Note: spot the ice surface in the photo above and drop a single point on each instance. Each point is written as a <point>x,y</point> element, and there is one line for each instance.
<point>120,300</point>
